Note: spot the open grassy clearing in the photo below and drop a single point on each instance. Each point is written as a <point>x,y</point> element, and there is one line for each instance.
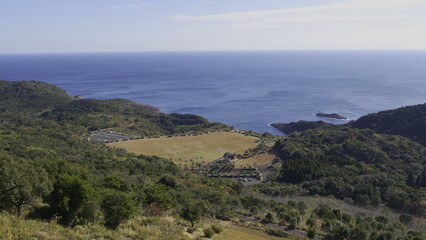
<point>202,148</point>
<point>234,232</point>
<point>14,228</point>
<point>255,160</point>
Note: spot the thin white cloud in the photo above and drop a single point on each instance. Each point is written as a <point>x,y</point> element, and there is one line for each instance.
<point>208,1</point>
<point>347,10</point>
<point>134,6</point>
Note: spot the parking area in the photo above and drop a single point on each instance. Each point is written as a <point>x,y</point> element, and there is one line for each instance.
<point>109,136</point>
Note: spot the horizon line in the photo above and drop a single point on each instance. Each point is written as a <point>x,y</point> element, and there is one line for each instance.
<point>210,51</point>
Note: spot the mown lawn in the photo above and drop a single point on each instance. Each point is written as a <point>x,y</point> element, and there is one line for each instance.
<point>241,233</point>
<point>202,148</point>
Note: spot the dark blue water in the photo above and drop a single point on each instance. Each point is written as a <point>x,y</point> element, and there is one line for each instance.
<point>245,89</point>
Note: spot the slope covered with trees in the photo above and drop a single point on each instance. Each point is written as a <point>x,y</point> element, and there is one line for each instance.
<point>361,165</point>
<point>407,121</point>
<point>299,126</point>
<point>48,171</point>
<point>33,96</point>
<point>128,117</point>
<point>85,190</point>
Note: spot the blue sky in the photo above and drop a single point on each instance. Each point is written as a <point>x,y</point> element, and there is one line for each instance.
<point>28,26</point>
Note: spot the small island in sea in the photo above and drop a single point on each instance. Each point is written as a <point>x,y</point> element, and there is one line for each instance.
<point>331,115</point>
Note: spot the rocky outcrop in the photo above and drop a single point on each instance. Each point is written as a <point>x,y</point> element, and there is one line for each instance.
<point>331,115</point>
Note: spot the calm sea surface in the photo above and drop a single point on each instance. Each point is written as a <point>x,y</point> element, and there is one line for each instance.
<point>245,89</point>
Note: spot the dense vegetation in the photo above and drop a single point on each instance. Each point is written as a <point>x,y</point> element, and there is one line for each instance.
<point>30,96</point>
<point>48,171</point>
<point>128,117</point>
<point>360,165</point>
<point>289,128</point>
<point>406,121</point>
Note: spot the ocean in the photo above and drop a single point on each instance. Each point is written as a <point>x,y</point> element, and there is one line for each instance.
<point>246,89</point>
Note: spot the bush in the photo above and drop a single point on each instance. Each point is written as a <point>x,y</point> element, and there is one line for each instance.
<point>217,229</point>
<point>169,181</point>
<point>404,218</point>
<point>69,197</point>
<point>190,230</point>
<point>382,219</point>
<point>191,213</point>
<point>208,232</point>
<point>277,232</point>
<point>311,222</point>
<point>268,218</point>
<point>311,233</point>
<point>117,207</point>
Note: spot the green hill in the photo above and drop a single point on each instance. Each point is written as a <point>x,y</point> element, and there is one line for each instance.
<point>54,184</point>
<point>129,117</point>
<point>30,96</point>
<point>49,172</point>
<point>299,126</point>
<point>407,121</point>
<point>367,167</point>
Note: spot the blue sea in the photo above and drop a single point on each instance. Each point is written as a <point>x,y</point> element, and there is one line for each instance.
<point>245,89</point>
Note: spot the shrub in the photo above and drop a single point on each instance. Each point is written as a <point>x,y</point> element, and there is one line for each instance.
<point>311,233</point>
<point>382,219</point>
<point>69,197</point>
<point>346,218</point>
<point>117,207</point>
<point>169,181</point>
<point>404,218</point>
<point>311,222</point>
<point>116,182</point>
<point>191,213</point>
<point>277,232</point>
<point>208,232</point>
<point>217,229</point>
<point>269,218</point>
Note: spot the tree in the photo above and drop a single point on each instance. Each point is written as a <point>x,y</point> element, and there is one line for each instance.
<point>411,180</point>
<point>68,198</point>
<point>208,232</point>
<point>117,208</point>
<point>116,182</point>
<point>191,212</point>
<point>406,219</point>
<point>20,183</point>
<point>158,193</point>
<point>358,233</point>
<point>269,218</point>
<point>168,181</point>
<point>311,233</point>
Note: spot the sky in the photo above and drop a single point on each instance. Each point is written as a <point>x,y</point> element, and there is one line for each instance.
<point>44,26</point>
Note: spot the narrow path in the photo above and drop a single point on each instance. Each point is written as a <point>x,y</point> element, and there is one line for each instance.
<point>296,232</point>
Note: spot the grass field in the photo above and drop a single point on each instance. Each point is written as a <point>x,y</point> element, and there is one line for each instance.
<point>255,160</point>
<point>234,232</point>
<point>202,148</point>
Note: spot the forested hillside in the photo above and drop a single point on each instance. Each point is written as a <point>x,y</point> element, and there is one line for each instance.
<point>289,128</point>
<point>54,184</point>
<point>364,166</point>
<point>407,121</point>
<point>48,171</point>
<point>30,96</point>
<point>129,117</point>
